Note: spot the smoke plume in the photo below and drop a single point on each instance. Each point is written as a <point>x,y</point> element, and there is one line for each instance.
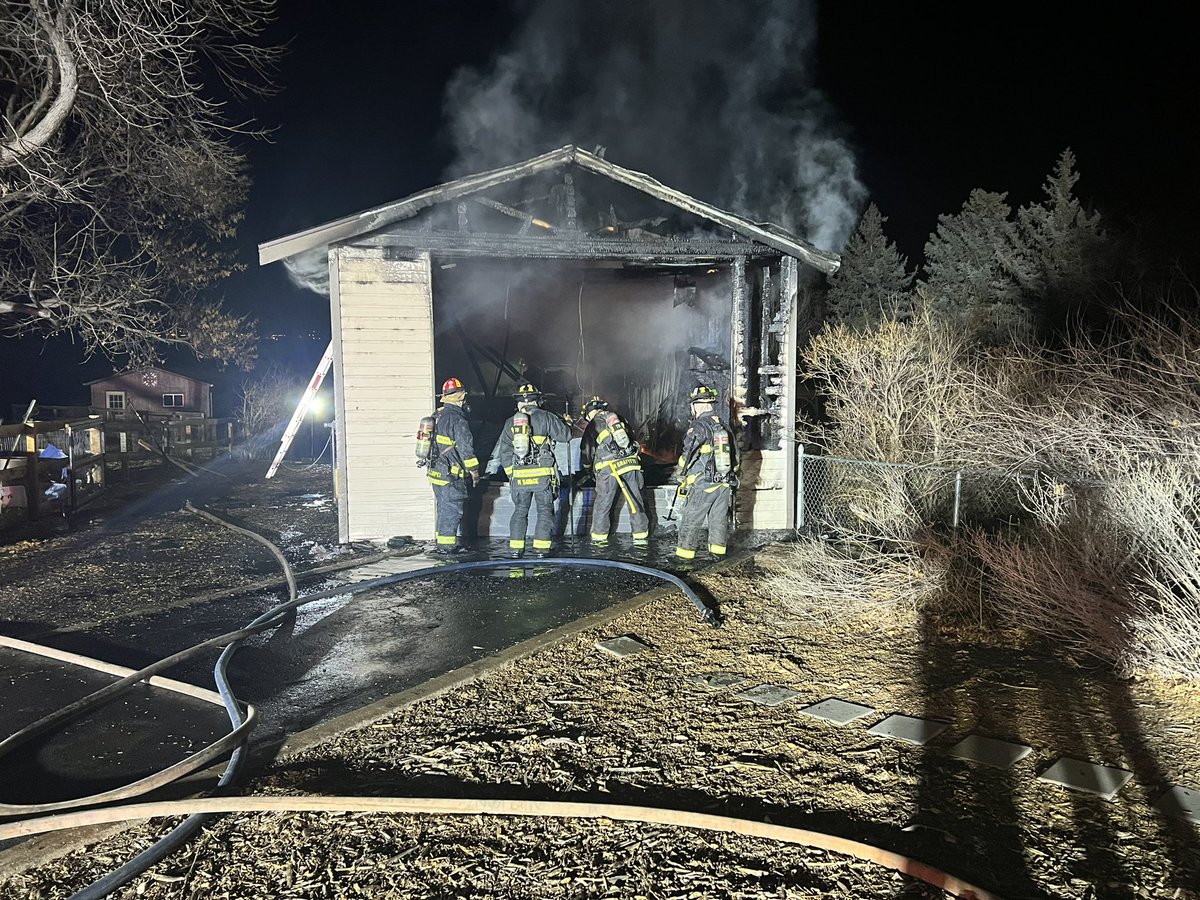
<point>713,97</point>
<point>309,270</point>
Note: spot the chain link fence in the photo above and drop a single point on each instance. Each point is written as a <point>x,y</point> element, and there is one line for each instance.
<point>856,495</point>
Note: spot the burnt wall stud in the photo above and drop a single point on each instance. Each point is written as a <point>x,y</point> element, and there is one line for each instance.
<point>740,322</point>
<point>569,182</point>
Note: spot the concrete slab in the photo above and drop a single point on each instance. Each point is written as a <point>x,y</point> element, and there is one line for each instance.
<point>909,729</point>
<point>768,694</point>
<point>989,751</point>
<point>1077,775</point>
<point>840,712</point>
<point>716,681</point>
<point>394,565</point>
<point>622,646</point>
<point>1181,801</point>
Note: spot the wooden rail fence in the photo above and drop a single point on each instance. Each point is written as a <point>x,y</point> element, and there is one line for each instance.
<point>96,445</point>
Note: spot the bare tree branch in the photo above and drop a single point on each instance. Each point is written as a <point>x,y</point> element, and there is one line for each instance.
<point>36,137</point>
<point>120,189</point>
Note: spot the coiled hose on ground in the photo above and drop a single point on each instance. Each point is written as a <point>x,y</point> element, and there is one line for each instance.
<point>200,811</point>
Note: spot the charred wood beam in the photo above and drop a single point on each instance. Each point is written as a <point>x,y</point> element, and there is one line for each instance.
<point>765,358</point>
<point>739,342</point>
<point>499,360</point>
<point>569,245</point>
<point>501,207</point>
<point>526,218</point>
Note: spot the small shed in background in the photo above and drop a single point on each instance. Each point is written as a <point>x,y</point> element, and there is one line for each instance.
<point>152,390</point>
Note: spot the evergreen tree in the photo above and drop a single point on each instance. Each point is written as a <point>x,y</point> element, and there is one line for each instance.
<point>1072,251</point>
<point>874,280</point>
<point>980,271</point>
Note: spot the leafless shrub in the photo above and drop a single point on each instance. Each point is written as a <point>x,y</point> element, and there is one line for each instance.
<point>265,403</point>
<point>1107,556</point>
<point>819,581</point>
<point>1113,576</point>
<point>892,392</point>
<point>1063,575</point>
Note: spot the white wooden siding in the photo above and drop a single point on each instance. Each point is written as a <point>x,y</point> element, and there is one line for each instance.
<point>762,497</point>
<point>384,368</point>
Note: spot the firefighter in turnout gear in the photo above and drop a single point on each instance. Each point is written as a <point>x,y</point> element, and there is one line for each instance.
<point>446,449</point>
<point>705,476</point>
<point>526,451</point>
<point>613,456</point>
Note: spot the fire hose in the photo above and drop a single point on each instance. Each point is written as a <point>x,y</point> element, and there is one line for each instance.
<point>471,806</point>
<point>199,811</point>
<point>241,722</point>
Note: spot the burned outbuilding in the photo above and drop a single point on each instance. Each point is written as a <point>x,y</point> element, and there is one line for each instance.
<point>580,275</point>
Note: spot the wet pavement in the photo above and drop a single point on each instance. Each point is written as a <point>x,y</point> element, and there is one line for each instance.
<point>335,655</point>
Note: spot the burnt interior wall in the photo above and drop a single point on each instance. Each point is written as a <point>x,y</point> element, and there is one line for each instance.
<point>640,336</point>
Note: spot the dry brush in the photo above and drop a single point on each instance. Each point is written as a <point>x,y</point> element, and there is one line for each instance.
<point>1105,554</point>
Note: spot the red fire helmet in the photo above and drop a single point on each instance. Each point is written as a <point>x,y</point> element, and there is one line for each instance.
<point>452,386</point>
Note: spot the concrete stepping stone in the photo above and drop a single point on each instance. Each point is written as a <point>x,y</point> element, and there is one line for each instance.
<point>1077,775</point>
<point>768,694</point>
<point>909,729</point>
<point>840,712</point>
<point>1181,801</point>
<point>716,681</point>
<point>989,751</point>
<point>622,646</point>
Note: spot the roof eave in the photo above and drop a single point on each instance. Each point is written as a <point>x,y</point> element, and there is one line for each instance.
<point>381,216</point>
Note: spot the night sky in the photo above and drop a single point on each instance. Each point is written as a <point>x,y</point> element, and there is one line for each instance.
<point>933,104</point>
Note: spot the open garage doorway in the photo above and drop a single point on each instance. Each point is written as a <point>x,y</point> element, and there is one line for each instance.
<point>638,335</point>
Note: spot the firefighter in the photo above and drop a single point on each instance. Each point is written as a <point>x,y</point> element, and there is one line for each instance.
<point>705,478</point>
<point>614,462</point>
<point>449,453</point>
<point>526,451</point>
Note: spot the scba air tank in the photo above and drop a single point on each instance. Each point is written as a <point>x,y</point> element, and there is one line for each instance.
<point>722,460</point>
<point>521,430</point>
<point>612,422</point>
<point>425,429</point>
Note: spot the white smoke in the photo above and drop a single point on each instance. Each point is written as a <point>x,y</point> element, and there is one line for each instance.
<point>713,97</point>
<point>309,270</point>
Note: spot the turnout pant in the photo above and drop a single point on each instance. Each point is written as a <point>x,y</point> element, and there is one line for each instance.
<point>707,505</point>
<point>448,501</point>
<point>627,489</point>
<point>543,501</point>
